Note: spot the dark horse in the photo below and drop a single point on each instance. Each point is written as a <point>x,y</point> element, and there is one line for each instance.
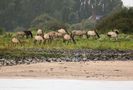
<point>28,33</point>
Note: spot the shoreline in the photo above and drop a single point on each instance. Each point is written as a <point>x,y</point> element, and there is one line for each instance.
<point>32,56</point>
<point>92,70</point>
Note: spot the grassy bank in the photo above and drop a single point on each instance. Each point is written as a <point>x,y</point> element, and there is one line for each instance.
<point>124,42</point>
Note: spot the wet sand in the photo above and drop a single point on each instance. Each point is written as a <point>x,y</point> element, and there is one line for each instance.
<point>93,70</point>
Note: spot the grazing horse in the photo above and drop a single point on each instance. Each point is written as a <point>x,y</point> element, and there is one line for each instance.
<point>113,34</point>
<point>40,32</point>
<point>79,33</point>
<point>16,41</point>
<point>25,33</point>
<point>20,34</point>
<point>63,31</point>
<point>52,34</point>
<point>68,38</point>
<point>47,37</point>
<point>28,33</point>
<point>39,39</point>
<point>58,35</point>
<point>93,33</point>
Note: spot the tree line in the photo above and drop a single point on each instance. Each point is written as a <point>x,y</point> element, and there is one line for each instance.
<point>21,14</point>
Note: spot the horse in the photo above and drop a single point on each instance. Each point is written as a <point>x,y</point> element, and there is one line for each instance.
<point>40,32</point>
<point>68,38</point>
<point>47,37</point>
<point>24,33</point>
<point>63,31</point>
<point>28,33</point>
<point>20,34</point>
<point>58,35</point>
<point>113,34</point>
<point>15,41</point>
<point>93,33</point>
<point>79,33</point>
<point>39,39</point>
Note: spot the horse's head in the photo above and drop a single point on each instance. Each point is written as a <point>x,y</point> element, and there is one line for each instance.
<point>116,31</point>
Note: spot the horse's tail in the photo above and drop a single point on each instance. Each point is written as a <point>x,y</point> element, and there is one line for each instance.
<point>97,34</point>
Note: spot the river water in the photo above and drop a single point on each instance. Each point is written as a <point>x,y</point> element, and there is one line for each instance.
<point>56,84</point>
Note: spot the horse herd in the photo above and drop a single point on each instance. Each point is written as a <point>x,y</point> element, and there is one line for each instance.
<point>42,37</point>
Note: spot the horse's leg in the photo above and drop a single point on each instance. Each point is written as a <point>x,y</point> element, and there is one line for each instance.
<point>27,36</point>
<point>64,40</point>
<point>20,44</point>
<point>116,38</point>
<point>68,42</point>
<point>95,37</point>
<point>35,41</point>
<point>44,42</point>
<point>48,41</point>
<point>22,36</point>
<point>51,40</point>
<point>88,36</point>
<point>40,42</point>
<point>31,35</point>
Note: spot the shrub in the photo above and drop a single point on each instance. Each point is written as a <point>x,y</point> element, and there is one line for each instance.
<point>122,20</point>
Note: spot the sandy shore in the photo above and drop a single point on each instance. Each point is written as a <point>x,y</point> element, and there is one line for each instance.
<point>99,70</point>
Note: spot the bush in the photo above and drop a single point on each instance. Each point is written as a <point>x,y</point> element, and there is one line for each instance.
<point>19,28</point>
<point>122,20</point>
<point>55,25</point>
<point>84,24</point>
<point>47,22</point>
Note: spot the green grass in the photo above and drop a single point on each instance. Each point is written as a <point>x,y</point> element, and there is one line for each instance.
<point>124,42</point>
<point>7,50</point>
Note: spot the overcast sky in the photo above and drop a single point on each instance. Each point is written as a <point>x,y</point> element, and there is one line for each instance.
<point>128,2</point>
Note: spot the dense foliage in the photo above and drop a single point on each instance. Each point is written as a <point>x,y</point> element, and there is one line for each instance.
<point>26,13</point>
<point>122,20</point>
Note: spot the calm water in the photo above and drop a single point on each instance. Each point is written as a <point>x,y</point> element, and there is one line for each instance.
<point>34,84</point>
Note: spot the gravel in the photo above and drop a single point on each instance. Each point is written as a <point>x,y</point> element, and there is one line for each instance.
<point>69,56</point>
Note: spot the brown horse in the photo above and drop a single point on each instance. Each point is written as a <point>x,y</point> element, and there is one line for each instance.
<point>28,33</point>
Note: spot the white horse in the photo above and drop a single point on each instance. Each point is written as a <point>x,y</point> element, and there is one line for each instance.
<point>39,39</point>
<point>40,32</point>
<point>79,33</point>
<point>67,38</point>
<point>113,34</point>
<point>93,33</point>
<point>15,41</point>
<point>48,38</point>
<point>62,31</point>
